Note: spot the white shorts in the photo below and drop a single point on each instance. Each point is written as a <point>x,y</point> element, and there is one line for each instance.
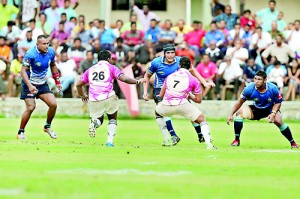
<point>108,106</point>
<point>187,110</point>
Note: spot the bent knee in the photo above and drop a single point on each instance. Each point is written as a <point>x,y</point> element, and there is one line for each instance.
<point>30,107</point>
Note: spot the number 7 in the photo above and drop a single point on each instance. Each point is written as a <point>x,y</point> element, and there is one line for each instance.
<point>176,82</point>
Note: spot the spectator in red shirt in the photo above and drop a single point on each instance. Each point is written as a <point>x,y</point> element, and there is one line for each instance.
<point>184,50</point>
<point>247,19</point>
<point>194,38</point>
<point>208,70</point>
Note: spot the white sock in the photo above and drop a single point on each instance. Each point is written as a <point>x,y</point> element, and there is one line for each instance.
<point>205,132</point>
<point>112,128</point>
<point>163,128</point>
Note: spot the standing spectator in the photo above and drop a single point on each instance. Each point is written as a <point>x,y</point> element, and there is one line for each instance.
<point>77,52</point>
<point>61,4</point>
<point>267,15</point>
<point>86,63</point>
<point>194,37</point>
<point>238,53</point>
<point>53,14</point>
<point>279,50</point>
<point>15,73</point>
<point>153,32</point>
<point>43,24</point>
<point>84,35</point>
<point>215,35</point>
<point>294,37</point>
<point>247,19</point>
<point>260,41</point>
<point>229,73</point>
<point>181,30</point>
<point>249,72</point>
<point>229,17</point>
<point>167,35</point>
<point>144,16</point>
<point>25,44</point>
<point>107,37</point>
<point>133,18</point>
<point>60,34</point>
<point>44,4</point>
<point>29,10</point>
<point>208,70</point>
<point>67,69</point>
<point>215,54</point>
<point>280,22</point>
<point>68,10</point>
<point>216,8</point>
<point>11,32</point>
<point>293,80</point>
<point>183,50</point>
<point>133,38</point>
<point>6,12</point>
<point>32,27</point>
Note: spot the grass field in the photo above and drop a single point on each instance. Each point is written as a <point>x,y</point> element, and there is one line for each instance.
<point>76,166</point>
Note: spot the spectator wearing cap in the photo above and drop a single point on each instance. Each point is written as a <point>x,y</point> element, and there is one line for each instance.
<point>15,73</point>
<point>6,12</point>
<point>267,15</point>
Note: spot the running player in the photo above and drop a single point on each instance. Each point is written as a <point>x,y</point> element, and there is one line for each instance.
<point>102,98</point>
<point>162,67</point>
<point>267,103</point>
<point>175,93</point>
<point>35,65</point>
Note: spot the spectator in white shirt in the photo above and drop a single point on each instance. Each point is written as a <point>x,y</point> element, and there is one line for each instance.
<point>260,41</point>
<point>35,31</point>
<point>294,37</point>
<point>29,10</point>
<point>238,53</point>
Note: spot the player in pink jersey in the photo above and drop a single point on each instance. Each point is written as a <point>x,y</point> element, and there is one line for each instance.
<point>102,98</point>
<point>178,87</point>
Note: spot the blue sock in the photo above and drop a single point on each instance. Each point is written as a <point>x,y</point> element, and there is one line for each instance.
<point>238,125</point>
<point>47,125</point>
<point>198,129</point>
<point>286,132</point>
<point>169,126</point>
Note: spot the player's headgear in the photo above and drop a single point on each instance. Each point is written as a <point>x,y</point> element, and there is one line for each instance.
<point>168,47</point>
<point>185,62</point>
<point>261,73</point>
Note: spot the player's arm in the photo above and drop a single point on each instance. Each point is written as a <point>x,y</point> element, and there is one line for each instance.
<point>79,86</point>
<point>275,109</point>
<point>162,92</point>
<point>197,98</point>
<point>147,77</point>
<point>129,80</point>
<point>55,75</point>
<point>235,108</point>
<point>25,78</point>
<point>195,73</point>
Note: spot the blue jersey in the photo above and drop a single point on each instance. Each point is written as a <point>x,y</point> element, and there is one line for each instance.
<point>162,70</point>
<point>264,100</point>
<point>38,64</point>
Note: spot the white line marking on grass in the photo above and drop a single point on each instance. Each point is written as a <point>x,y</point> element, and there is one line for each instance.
<point>148,163</point>
<point>121,172</point>
<point>275,151</point>
<point>8,192</point>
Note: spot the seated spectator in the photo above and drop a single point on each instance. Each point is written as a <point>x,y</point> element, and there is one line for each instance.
<point>234,34</point>
<point>96,48</point>
<point>272,65</point>
<point>215,35</point>
<point>53,14</point>
<point>86,63</point>
<point>208,70</point>
<point>68,10</point>
<point>25,44</point>
<point>280,22</point>
<point>121,51</point>
<point>276,75</point>
<point>194,37</point>
<point>32,27</point>
<point>153,32</point>
<point>77,52</point>
<point>274,31</point>
<point>133,38</point>
<point>84,35</point>
<point>60,34</point>
<point>4,52</point>
<point>279,50</point>
<point>247,36</point>
<point>183,50</point>
<point>138,73</point>
<point>249,72</point>
<point>144,54</point>
<point>67,69</point>
<point>44,4</point>
<point>167,35</point>
<point>117,29</point>
<point>215,54</point>
<point>229,73</point>
<point>15,74</point>
<point>294,37</point>
<point>238,53</point>
<point>181,30</point>
<point>43,24</point>
<point>293,80</point>
<point>247,19</point>
<point>2,86</point>
<point>229,17</point>
<point>127,26</point>
<point>75,30</point>
<point>222,27</point>
<point>11,32</point>
<point>68,25</point>
<point>107,37</point>
<point>260,41</point>
<point>95,30</point>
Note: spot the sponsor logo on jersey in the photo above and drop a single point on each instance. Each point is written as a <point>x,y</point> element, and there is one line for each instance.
<point>269,99</point>
<point>255,99</point>
<point>279,96</point>
<point>38,63</point>
<point>161,72</point>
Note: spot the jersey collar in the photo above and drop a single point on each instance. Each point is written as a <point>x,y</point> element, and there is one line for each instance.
<point>163,60</point>
<point>37,50</point>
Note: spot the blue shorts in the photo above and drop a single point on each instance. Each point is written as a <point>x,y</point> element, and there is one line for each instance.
<point>25,93</point>
<point>260,113</point>
<point>156,97</point>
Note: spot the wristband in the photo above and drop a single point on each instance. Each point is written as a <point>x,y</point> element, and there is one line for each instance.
<point>56,78</point>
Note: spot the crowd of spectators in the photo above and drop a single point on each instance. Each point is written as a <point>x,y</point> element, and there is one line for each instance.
<point>229,51</point>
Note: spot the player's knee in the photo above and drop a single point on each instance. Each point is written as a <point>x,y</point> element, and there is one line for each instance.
<point>52,105</point>
<point>200,119</point>
<point>30,107</point>
<point>244,113</point>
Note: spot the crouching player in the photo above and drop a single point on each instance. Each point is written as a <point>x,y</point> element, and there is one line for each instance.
<point>174,94</point>
<point>267,103</point>
<point>102,98</point>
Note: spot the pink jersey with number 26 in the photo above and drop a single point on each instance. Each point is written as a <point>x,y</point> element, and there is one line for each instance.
<point>100,78</point>
<point>178,85</point>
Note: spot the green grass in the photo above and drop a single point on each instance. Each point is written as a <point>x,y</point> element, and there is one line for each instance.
<point>76,166</point>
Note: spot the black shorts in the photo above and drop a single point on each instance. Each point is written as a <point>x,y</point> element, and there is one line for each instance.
<point>259,113</point>
<point>25,93</point>
<point>156,97</point>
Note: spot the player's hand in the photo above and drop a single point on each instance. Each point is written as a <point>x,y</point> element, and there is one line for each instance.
<point>58,86</point>
<point>140,81</point>
<point>209,83</point>
<point>271,118</point>
<point>85,98</point>
<point>229,119</point>
<point>33,89</point>
<point>146,97</point>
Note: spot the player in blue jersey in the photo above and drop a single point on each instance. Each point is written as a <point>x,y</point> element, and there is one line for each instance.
<point>267,102</point>
<point>162,67</point>
<point>35,65</point>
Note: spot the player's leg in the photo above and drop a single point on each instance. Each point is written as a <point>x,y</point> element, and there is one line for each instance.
<point>205,131</point>
<point>111,129</point>
<point>50,100</point>
<point>243,113</point>
<point>159,111</point>
<point>30,106</point>
<point>285,130</point>
<point>198,131</point>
